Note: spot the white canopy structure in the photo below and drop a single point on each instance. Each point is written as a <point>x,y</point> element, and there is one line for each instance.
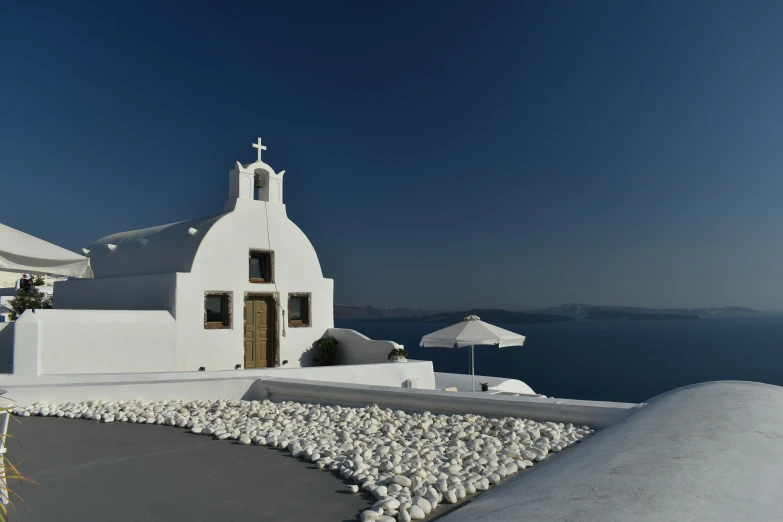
<point>471,332</point>
<point>20,252</point>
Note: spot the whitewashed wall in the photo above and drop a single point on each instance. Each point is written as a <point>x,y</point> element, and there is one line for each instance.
<point>145,292</point>
<point>62,342</point>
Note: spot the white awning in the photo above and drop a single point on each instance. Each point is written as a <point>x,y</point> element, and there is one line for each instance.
<point>472,332</point>
<point>23,253</point>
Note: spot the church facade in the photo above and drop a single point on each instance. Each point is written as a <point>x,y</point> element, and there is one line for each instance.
<point>244,287</point>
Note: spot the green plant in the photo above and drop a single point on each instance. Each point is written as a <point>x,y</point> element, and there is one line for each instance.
<point>38,281</point>
<point>27,300</point>
<point>9,471</point>
<point>398,350</point>
<point>327,351</point>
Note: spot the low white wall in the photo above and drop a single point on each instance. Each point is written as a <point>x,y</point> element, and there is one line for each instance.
<point>185,390</point>
<point>355,348</point>
<point>594,413</point>
<point>388,374</point>
<point>464,382</point>
<point>230,384</point>
<point>93,342</point>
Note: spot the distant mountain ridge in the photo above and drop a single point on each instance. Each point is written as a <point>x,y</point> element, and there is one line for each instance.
<point>605,315</point>
<point>349,311</point>
<point>486,314</point>
<point>550,314</point>
<point>582,311</point>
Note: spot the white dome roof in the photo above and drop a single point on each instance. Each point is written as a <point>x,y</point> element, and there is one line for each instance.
<point>155,250</point>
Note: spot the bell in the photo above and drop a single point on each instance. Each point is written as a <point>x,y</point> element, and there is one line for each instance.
<point>258,184</point>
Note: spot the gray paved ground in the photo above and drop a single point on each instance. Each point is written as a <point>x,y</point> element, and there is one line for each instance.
<point>90,471</point>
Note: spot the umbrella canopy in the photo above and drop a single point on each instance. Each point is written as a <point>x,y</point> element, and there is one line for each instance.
<point>471,332</point>
<point>20,252</point>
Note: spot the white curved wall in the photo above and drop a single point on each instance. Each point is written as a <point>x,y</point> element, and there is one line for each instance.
<point>356,348</point>
<point>156,250</point>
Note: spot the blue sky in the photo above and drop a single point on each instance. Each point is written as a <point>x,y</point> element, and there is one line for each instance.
<point>438,155</point>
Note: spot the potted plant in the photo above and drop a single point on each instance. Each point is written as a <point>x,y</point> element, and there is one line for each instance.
<point>398,354</point>
<point>327,351</point>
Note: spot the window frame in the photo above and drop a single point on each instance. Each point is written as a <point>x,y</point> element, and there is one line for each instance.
<point>226,300</point>
<point>271,257</point>
<point>309,309</point>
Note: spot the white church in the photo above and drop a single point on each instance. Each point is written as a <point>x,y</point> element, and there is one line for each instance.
<point>244,288</point>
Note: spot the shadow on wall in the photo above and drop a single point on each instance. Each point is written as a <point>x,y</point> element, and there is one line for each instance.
<point>7,347</point>
<point>310,356</point>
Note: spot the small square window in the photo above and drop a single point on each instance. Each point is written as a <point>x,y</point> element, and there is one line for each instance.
<point>260,267</point>
<point>299,310</point>
<point>217,312</point>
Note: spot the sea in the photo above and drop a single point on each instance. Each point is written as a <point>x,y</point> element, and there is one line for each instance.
<point>624,361</point>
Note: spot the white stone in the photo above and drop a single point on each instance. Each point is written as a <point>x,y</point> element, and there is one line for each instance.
<point>432,497</point>
<point>391,503</point>
<point>423,504</point>
<point>402,481</point>
<point>368,515</point>
<point>416,513</point>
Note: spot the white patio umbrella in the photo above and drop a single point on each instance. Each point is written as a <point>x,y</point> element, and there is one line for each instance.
<point>20,252</point>
<point>472,332</point>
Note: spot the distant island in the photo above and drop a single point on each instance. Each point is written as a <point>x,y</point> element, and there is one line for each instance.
<point>605,315</point>
<point>583,311</point>
<point>552,314</point>
<point>350,311</point>
<point>489,315</point>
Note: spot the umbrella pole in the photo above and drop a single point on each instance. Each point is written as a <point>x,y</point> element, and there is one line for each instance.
<point>470,364</point>
<point>472,371</point>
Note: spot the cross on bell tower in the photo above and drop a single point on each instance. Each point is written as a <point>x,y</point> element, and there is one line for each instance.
<point>256,181</point>
<point>259,147</point>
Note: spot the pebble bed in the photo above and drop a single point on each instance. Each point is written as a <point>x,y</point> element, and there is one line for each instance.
<point>410,462</point>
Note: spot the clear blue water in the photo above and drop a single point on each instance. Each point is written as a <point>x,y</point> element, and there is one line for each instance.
<point>612,360</point>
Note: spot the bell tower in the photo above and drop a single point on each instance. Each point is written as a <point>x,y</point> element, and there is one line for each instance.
<point>245,180</point>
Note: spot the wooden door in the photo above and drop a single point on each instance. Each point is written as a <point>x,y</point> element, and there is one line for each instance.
<point>259,332</point>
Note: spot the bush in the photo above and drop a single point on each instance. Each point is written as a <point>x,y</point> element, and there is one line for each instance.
<point>28,300</point>
<point>399,350</point>
<point>38,281</point>
<point>327,351</point>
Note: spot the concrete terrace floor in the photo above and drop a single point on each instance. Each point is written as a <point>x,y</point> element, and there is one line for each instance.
<point>91,471</point>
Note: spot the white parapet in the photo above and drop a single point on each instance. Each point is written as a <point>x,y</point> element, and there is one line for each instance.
<point>597,414</point>
<point>226,384</point>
